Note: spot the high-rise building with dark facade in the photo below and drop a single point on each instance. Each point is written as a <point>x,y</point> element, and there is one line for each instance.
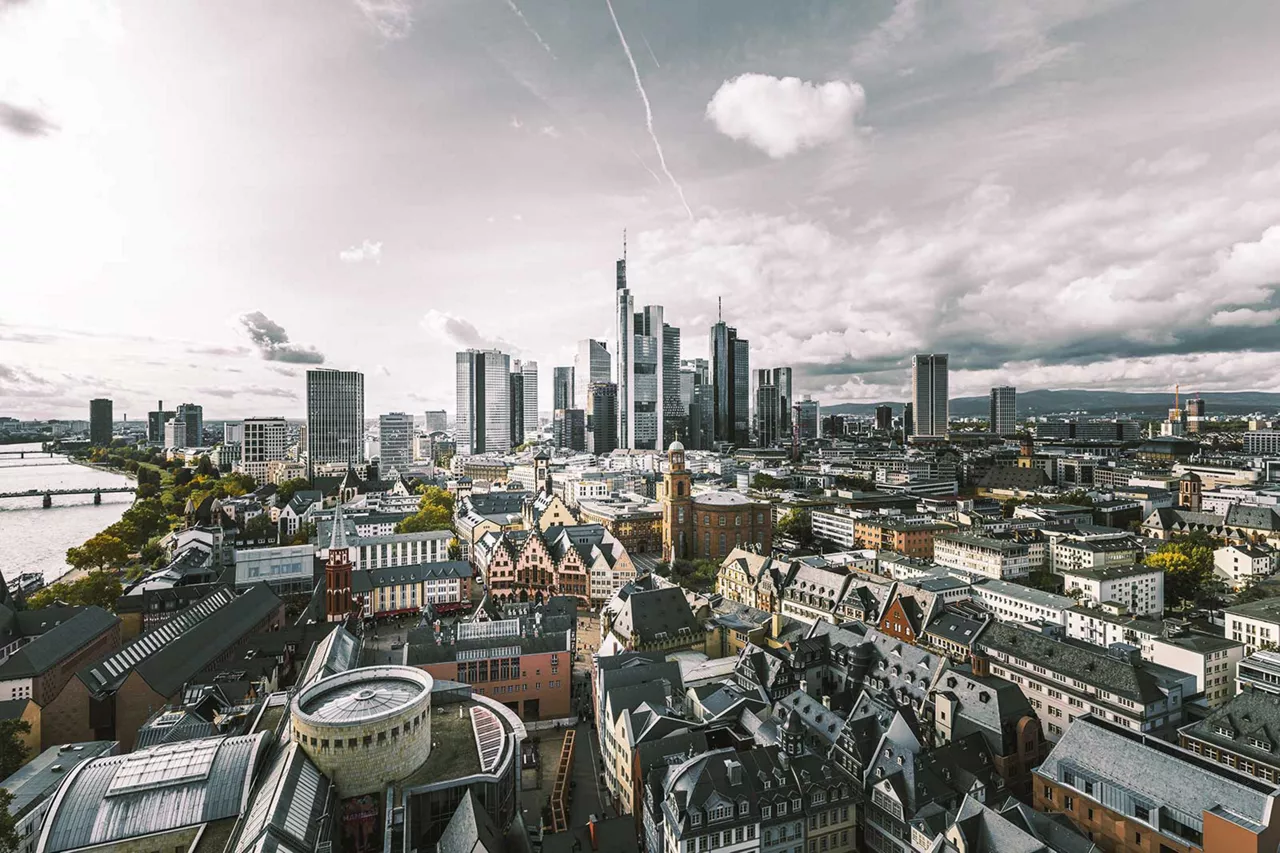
<point>929,394</point>
<point>526,401</point>
<point>484,401</point>
<point>602,417</point>
<point>806,416</point>
<point>908,421</point>
<point>702,418</point>
<point>645,392</point>
<point>192,418</point>
<point>395,441</point>
<point>101,422</point>
<point>1003,418</point>
<point>675,414</point>
<point>569,429</point>
<point>782,379</point>
<point>884,418</point>
<point>437,420</point>
<point>335,416</point>
<point>516,410</point>
<point>731,385</point>
<point>767,434</point>
<point>155,423</point>
<point>562,388</point>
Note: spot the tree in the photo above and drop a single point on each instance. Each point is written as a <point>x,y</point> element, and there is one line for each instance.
<point>13,751</point>
<point>99,551</point>
<point>96,588</point>
<point>205,468</point>
<point>286,490</point>
<point>1188,570</point>
<point>183,476</point>
<point>435,512</point>
<point>797,524</point>
<point>764,482</point>
<point>305,533</point>
<point>261,527</point>
<point>8,823</point>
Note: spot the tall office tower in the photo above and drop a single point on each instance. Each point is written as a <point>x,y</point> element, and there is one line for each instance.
<point>265,440</point>
<point>529,403</point>
<point>395,440</point>
<point>782,379</point>
<point>884,418</point>
<point>1003,419</point>
<point>702,424</point>
<point>766,409</point>
<point>806,416</point>
<point>647,381</point>
<point>731,381</point>
<point>484,402</point>
<point>437,420</point>
<point>175,433</point>
<point>562,388</point>
<point>1195,414</point>
<point>700,367</point>
<point>569,429</point>
<point>591,364</point>
<point>335,416</point>
<point>155,423</point>
<point>192,417</point>
<point>929,394</point>
<point>602,418</point>
<point>675,414</point>
<point>908,421</point>
<point>101,421</point>
<point>233,432</point>
<point>623,352</point>
<point>515,410</point>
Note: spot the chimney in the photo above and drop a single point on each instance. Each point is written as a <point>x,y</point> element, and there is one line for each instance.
<point>777,624</point>
<point>804,686</point>
<point>826,701</point>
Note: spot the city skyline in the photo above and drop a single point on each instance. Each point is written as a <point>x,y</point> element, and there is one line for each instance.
<point>1037,246</point>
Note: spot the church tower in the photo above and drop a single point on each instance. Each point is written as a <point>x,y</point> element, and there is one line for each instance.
<point>677,505</point>
<point>1190,488</point>
<point>337,572</point>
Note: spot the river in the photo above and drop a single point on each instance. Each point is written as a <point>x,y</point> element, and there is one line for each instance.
<point>36,539</point>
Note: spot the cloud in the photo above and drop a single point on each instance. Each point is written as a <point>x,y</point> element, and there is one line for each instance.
<point>1249,317</point>
<point>1173,163</point>
<point>528,26</point>
<point>549,130</point>
<point>1253,264</point>
<point>382,370</point>
<point>236,392</point>
<point>366,251</point>
<point>462,333</point>
<point>515,123</point>
<point>902,22</point>
<point>273,343</point>
<point>24,121</point>
<point>391,19</point>
<point>233,352</point>
<point>781,115</point>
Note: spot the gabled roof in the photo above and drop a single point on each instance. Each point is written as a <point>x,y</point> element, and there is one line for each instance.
<point>648,613</point>
<point>57,645</point>
<point>289,804</point>
<point>470,830</point>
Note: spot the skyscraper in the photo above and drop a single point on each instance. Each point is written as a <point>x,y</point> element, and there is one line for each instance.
<point>884,418</point>
<point>766,409</point>
<point>645,392</point>
<point>602,418</point>
<point>807,417</point>
<point>929,394</point>
<point>437,420</point>
<point>263,442</point>
<point>155,423</point>
<point>1004,410</point>
<point>731,384</point>
<point>484,399</point>
<point>908,421</point>
<point>782,379</point>
<point>528,369</point>
<point>695,391</point>
<point>675,413</point>
<point>562,388</point>
<point>395,440</point>
<point>101,422</point>
<point>591,364</point>
<point>569,429</point>
<point>335,416</point>
<point>515,410</point>
<point>192,418</point>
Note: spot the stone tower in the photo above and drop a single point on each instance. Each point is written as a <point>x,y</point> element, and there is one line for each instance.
<point>337,572</point>
<point>1189,491</point>
<point>677,505</point>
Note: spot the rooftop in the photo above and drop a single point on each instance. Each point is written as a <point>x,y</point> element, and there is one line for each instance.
<point>40,776</point>
<point>976,541</point>
<point>361,695</point>
<point>1111,573</point>
<point>1023,593</point>
<point>1267,609</point>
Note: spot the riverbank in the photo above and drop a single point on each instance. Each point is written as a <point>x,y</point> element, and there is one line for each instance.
<point>106,469</point>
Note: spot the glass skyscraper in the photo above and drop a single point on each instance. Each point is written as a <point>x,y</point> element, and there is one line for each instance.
<point>484,398</point>
<point>335,416</point>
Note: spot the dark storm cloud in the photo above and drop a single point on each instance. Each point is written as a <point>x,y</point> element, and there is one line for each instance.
<point>273,342</point>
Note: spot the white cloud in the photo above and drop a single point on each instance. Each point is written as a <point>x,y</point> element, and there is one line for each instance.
<point>1247,317</point>
<point>1253,264</point>
<point>549,130</point>
<point>515,123</point>
<point>462,333</point>
<point>781,115</point>
<point>392,19</point>
<point>366,251</point>
<point>1173,163</point>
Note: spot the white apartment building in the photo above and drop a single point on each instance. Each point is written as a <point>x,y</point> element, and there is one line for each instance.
<point>1262,442</point>
<point>399,549</point>
<point>1138,588</point>
<point>1238,565</point>
<point>983,555</point>
<point>1072,552</point>
<point>1013,602</point>
<point>1214,661</point>
<point>265,441</point>
<point>1256,624</point>
<point>836,525</point>
<point>1107,625</point>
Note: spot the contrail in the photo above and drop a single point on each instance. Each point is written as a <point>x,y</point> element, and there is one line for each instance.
<point>528,26</point>
<point>648,111</point>
<point>651,56</point>
<point>646,166</point>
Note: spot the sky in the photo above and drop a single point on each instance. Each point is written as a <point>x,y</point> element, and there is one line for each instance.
<point>199,201</point>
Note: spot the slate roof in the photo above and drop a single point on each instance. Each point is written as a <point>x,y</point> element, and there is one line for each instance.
<point>1137,681</point>
<point>1253,517</point>
<point>36,780</point>
<point>289,803</point>
<point>1267,609</point>
<point>647,613</point>
<point>1135,767</point>
<point>1248,725</point>
<point>950,625</point>
<point>176,785</point>
<point>367,580</point>
<point>62,642</point>
<point>1014,477</point>
<point>470,830</point>
<point>984,704</point>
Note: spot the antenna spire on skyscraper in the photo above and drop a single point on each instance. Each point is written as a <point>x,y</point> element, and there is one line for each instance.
<point>720,308</point>
<point>624,244</point>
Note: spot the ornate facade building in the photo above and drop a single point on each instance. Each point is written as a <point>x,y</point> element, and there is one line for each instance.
<point>708,525</point>
<point>584,561</point>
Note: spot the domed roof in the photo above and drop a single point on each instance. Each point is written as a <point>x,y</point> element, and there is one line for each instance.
<point>676,446</point>
<point>1191,477</point>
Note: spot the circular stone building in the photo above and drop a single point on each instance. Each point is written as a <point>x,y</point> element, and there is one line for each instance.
<point>366,728</point>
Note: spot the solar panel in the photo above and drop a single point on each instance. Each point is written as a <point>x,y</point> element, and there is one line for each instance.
<point>489,737</point>
<point>165,765</point>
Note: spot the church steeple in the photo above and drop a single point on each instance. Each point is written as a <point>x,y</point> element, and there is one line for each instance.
<point>337,571</point>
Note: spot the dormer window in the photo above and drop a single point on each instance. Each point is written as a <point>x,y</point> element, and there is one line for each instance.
<point>1260,744</point>
<point>695,819</point>
<point>721,813</point>
<point>743,807</point>
<point>1224,731</point>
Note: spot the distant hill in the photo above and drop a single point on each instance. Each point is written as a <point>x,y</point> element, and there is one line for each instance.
<point>1134,404</point>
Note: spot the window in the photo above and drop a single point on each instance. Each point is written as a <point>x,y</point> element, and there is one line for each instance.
<point>1069,803</point>
<point>743,807</point>
<point>1048,793</point>
<point>1142,813</point>
<point>766,812</point>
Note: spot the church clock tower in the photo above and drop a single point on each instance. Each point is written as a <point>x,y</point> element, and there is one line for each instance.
<point>337,572</point>
<point>677,506</point>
